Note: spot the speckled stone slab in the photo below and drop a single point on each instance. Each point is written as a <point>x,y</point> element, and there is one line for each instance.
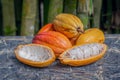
<point>108,68</point>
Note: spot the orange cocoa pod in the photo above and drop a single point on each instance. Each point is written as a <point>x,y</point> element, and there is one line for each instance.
<point>55,40</point>
<point>47,27</point>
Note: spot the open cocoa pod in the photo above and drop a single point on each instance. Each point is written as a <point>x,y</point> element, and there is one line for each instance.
<point>35,55</point>
<point>83,54</point>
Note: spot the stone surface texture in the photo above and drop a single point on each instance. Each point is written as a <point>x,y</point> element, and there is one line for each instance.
<point>107,68</point>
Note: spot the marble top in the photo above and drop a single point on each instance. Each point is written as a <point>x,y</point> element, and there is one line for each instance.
<point>107,68</point>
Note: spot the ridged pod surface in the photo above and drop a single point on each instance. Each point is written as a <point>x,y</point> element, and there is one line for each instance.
<point>68,24</point>
<point>45,28</point>
<point>90,36</point>
<point>55,40</point>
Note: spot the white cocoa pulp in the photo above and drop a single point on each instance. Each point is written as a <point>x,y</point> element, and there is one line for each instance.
<point>84,51</point>
<point>35,53</point>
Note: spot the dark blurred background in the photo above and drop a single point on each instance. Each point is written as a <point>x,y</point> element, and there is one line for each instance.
<point>26,17</point>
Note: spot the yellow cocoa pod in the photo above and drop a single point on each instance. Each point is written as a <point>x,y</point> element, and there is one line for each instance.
<point>90,36</point>
<point>68,24</point>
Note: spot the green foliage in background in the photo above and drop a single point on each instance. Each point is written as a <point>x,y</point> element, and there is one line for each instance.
<point>16,19</point>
